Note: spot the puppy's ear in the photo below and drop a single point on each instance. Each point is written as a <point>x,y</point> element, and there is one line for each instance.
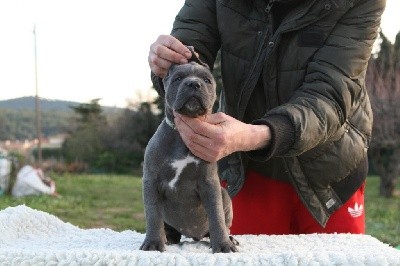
<point>195,57</point>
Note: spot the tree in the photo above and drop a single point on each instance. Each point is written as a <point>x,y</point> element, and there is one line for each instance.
<point>383,83</point>
<point>129,134</point>
<point>89,111</point>
<point>85,143</point>
<point>3,120</point>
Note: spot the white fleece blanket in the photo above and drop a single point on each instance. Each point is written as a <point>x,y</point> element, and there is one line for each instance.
<point>31,237</point>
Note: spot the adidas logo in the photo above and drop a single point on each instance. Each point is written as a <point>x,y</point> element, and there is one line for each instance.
<point>357,211</point>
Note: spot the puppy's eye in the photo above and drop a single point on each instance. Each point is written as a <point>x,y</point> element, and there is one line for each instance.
<point>178,78</point>
<point>207,80</point>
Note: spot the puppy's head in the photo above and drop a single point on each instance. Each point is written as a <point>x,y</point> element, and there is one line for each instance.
<point>190,89</point>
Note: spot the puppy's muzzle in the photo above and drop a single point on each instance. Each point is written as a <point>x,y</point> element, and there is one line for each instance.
<point>193,83</point>
<point>189,101</point>
<point>192,108</point>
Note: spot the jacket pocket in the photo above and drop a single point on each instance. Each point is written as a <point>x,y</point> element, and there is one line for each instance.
<point>311,38</point>
<point>334,160</point>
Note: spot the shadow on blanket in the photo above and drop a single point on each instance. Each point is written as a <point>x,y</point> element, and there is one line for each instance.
<point>34,237</point>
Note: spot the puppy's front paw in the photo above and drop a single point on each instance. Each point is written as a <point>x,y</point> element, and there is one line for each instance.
<point>234,241</point>
<point>224,247</point>
<point>153,245</point>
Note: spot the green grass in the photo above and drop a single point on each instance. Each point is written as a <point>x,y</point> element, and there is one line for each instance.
<point>382,214</point>
<point>115,202</point>
<point>92,201</point>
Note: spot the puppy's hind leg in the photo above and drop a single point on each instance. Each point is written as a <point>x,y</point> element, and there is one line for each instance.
<point>173,236</point>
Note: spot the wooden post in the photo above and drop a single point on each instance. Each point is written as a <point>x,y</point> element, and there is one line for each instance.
<point>38,120</point>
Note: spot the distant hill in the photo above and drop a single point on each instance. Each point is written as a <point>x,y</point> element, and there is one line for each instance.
<point>17,117</point>
<point>28,103</point>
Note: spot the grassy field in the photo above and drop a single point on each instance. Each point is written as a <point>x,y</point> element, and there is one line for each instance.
<point>382,214</point>
<point>112,201</point>
<point>92,201</point>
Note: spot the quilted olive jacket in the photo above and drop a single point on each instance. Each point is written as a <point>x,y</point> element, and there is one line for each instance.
<point>312,67</point>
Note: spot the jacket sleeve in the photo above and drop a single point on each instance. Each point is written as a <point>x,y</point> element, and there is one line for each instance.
<point>196,25</point>
<point>334,79</point>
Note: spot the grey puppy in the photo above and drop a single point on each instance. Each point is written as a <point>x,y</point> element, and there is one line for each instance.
<point>182,193</point>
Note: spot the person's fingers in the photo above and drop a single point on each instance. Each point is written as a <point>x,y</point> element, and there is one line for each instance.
<point>186,128</point>
<point>200,145</point>
<point>158,61</point>
<point>216,118</point>
<point>159,50</point>
<point>159,72</point>
<point>205,129</point>
<point>204,154</point>
<point>175,45</point>
<point>170,49</point>
<point>198,139</point>
<point>158,65</point>
<point>167,50</point>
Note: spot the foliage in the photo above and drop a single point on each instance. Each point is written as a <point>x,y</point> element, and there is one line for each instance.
<point>128,137</point>
<point>85,142</point>
<point>383,83</point>
<point>115,201</point>
<point>49,153</point>
<point>110,146</point>
<point>89,112</point>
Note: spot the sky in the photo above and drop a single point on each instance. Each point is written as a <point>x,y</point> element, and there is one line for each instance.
<point>89,49</point>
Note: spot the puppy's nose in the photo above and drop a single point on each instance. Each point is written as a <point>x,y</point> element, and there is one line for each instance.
<point>195,84</point>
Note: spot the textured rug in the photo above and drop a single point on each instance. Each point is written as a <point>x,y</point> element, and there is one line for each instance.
<point>31,237</point>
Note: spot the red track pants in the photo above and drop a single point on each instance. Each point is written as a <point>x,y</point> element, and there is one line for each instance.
<point>269,206</point>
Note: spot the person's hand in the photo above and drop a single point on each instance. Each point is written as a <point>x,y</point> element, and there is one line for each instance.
<point>55,195</point>
<point>164,52</point>
<point>218,135</point>
<point>53,188</point>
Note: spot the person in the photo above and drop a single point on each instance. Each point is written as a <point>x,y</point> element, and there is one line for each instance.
<point>5,171</point>
<point>31,181</point>
<point>295,120</point>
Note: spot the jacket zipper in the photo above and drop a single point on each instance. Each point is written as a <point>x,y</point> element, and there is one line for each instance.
<point>269,6</point>
<point>259,50</point>
<point>273,39</point>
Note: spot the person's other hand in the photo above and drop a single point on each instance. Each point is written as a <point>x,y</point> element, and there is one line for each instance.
<point>53,189</point>
<point>218,135</point>
<point>55,194</point>
<point>164,52</point>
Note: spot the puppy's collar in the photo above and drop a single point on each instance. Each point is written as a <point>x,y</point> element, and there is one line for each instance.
<point>170,123</point>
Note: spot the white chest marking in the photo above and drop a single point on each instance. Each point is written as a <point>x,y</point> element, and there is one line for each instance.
<point>179,165</point>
